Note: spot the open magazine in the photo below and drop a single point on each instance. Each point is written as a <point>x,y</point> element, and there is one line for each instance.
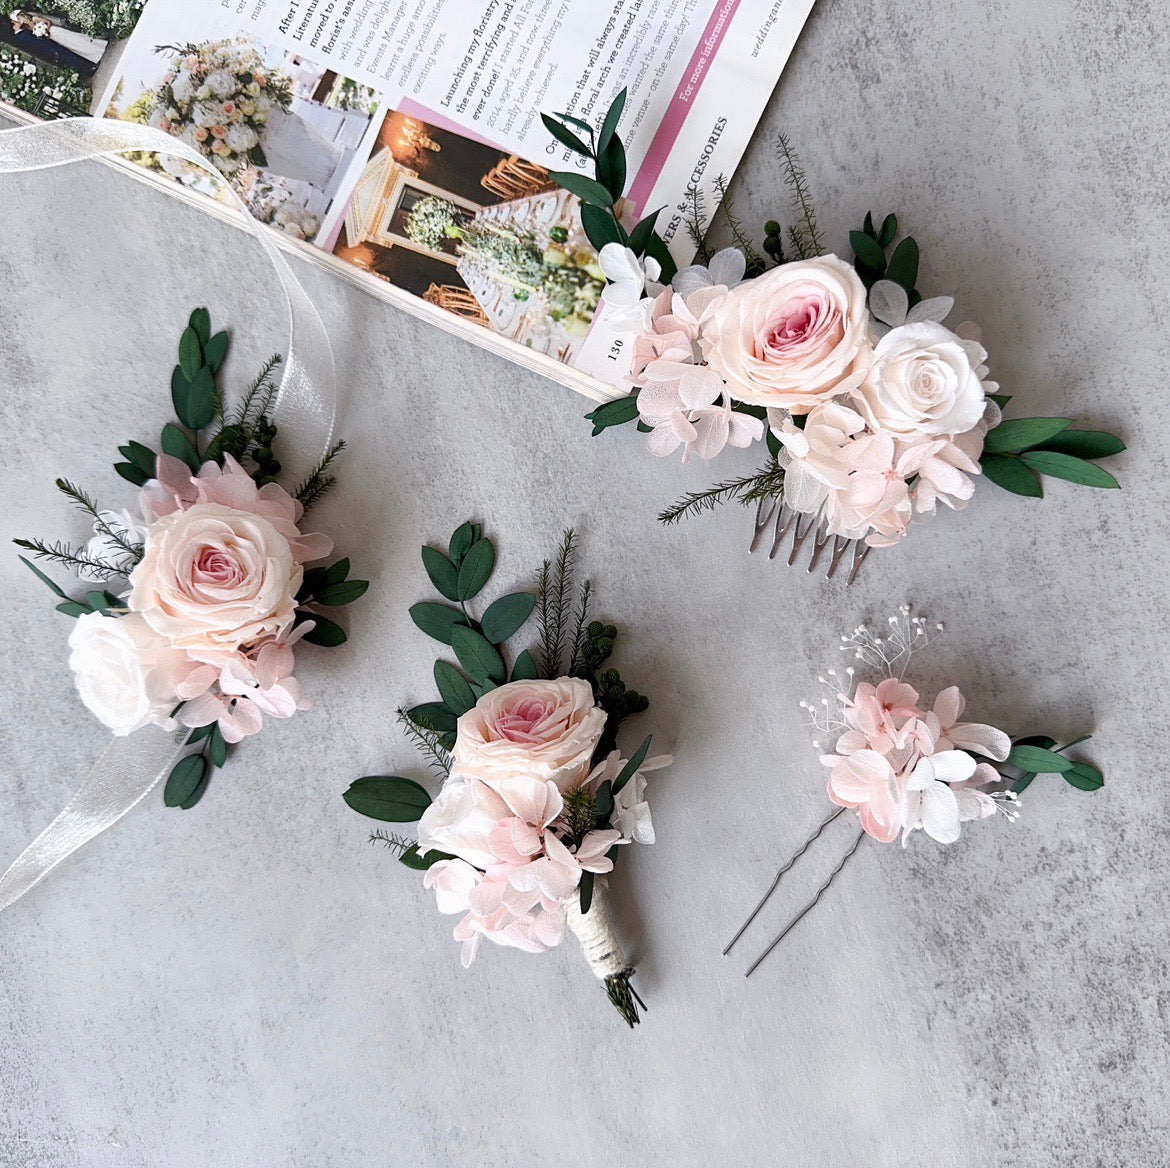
<point>400,142</point>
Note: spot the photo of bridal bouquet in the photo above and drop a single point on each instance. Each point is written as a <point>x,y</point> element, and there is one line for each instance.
<point>873,411</point>
<point>201,591</point>
<point>536,797</point>
<point>902,765</point>
<point>219,98</point>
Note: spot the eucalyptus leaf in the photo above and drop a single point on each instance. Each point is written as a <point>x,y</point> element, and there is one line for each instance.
<point>889,229</point>
<point>867,249</point>
<point>1085,443</point>
<point>477,654</point>
<point>476,569</point>
<point>217,747</point>
<point>437,620</point>
<point>1084,777</point>
<point>524,668</point>
<point>1066,466</point>
<point>444,575</point>
<point>200,321</point>
<point>1007,471</point>
<point>461,542</point>
<point>505,617</point>
<point>215,351</point>
<point>613,413</point>
<point>190,353</point>
<point>184,779</point>
<point>326,633</point>
<point>200,401</point>
<point>1039,761</point>
<point>73,608</point>
<point>1018,434</point>
<point>344,592</point>
<point>454,688</point>
<point>433,716</point>
<point>335,573</point>
<point>389,798</point>
<point>903,265</point>
<point>180,389</point>
<point>176,443</point>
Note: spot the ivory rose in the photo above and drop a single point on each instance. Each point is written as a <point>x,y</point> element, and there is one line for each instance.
<point>215,577</point>
<point>124,672</point>
<point>546,729</point>
<point>923,381</point>
<point>793,337</point>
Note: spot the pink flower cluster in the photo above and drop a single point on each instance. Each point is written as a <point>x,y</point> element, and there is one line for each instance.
<point>904,768</point>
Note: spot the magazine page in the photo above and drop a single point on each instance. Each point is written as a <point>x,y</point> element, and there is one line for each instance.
<point>404,138</point>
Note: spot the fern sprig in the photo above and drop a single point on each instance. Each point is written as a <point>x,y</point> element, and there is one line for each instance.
<point>554,585</point>
<point>257,401</point>
<point>696,223</point>
<point>392,840</point>
<point>739,237</point>
<point>317,485</point>
<point>806,238</point>
<point>426,742</point>
<point>579,630</point>
<point>89,505</point>
<point>60,552</point>
<point>745,491</point>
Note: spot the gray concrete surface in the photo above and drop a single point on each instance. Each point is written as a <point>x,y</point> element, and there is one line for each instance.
<point>251,984</point>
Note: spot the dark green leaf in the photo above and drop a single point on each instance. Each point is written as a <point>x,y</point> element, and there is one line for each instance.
<point>613,413</point>
<point>581,125</point>
<point>388,797</point>
<point>97,600</point>
<point>603,802</point>
<point>640,236</point>
<point>889,229</point>
<point>504,617</point>
<point>176,443</point>
<point>866,249</point>
<point>1023,784</point>
<point>197,794</point>
<point>201,322</point>
<point>335,573</point>
<point>1084,777</point>
<point>184,779</point>
<point>1022,433</point>
<point>72,608</point>
<point>1009,472</point>
<point>1086,443</point>
<point>257,156</point>
<point>903,265</point>
<point>346,592</point>
<point>190,354</point>
<point>1036,740</point>
<point>217,747</point>
<point>443,573</point>
<point>420,863</point>
<point>461,542</point>
<point>588,190</point>
<point>200,733</point>
<point>600,226</point>
<point>656,248</point>
<point>454,688</point>
<point>586,891</point>
<point>525,668</point>
<point>1039,761</point>
<point>436,620</point>
<point>215,351</point>
<point>565,136</point>
<point>43,578</point>
<point>200,401</point>
<point>326,633</point>
<point>476,569</point>
<point>433,716</point>
<point>611,168</point>
<point>866,226</point>
<point>132,474</point>
<point>610,123</point>
<point>631,767</point>
<point>142,456</point>
<point>180,390</point>
<point>1000,399</point>
<point>1065,466</point>
<point>477,654</point>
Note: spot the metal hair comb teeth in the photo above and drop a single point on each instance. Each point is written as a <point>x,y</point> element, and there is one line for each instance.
<point>773,512</point>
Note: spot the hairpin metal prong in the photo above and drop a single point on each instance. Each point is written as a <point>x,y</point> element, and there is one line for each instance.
<point>765,510</point>
<point>808,907</point>
<point>772,511</point>
<point>776,883</point>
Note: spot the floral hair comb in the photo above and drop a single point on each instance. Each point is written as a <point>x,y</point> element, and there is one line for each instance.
<point>873,411</point>
<point>902,766</point>
<point>536,797</point>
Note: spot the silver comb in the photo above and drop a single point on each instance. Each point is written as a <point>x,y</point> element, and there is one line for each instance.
<point>773,512</point>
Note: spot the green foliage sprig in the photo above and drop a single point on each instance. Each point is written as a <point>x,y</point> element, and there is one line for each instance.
<point>1038,754</point>
<point>599,194</point>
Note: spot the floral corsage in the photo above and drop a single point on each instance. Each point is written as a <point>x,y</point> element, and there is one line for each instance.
<point>902,765</point>
<point>201,591</point>
<point>536,797</point>
<point>872,409</point>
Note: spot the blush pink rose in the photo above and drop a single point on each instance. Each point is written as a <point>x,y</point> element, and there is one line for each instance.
<point>793,337</point>
<point>545,729</point>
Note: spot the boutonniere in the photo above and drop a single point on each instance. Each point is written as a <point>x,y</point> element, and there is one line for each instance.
<point>196,599</point>
<point>536,798</point>
<point>872,409</point>
<point>899,764</point>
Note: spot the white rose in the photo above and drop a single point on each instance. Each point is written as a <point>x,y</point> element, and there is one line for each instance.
<point>207,114</point>
<point>923,381</point>
<point>124,671</point>
<point>215,577</point>
<point>460,820</point>
<point>547,729</point>
<point>183,87</point>
<point>793,337</point>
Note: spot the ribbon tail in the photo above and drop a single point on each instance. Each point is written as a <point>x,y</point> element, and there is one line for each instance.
<point>306,401</point>
<point>127,771</point>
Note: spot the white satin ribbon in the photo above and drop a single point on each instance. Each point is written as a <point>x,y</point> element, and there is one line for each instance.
<point>306,402</point>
